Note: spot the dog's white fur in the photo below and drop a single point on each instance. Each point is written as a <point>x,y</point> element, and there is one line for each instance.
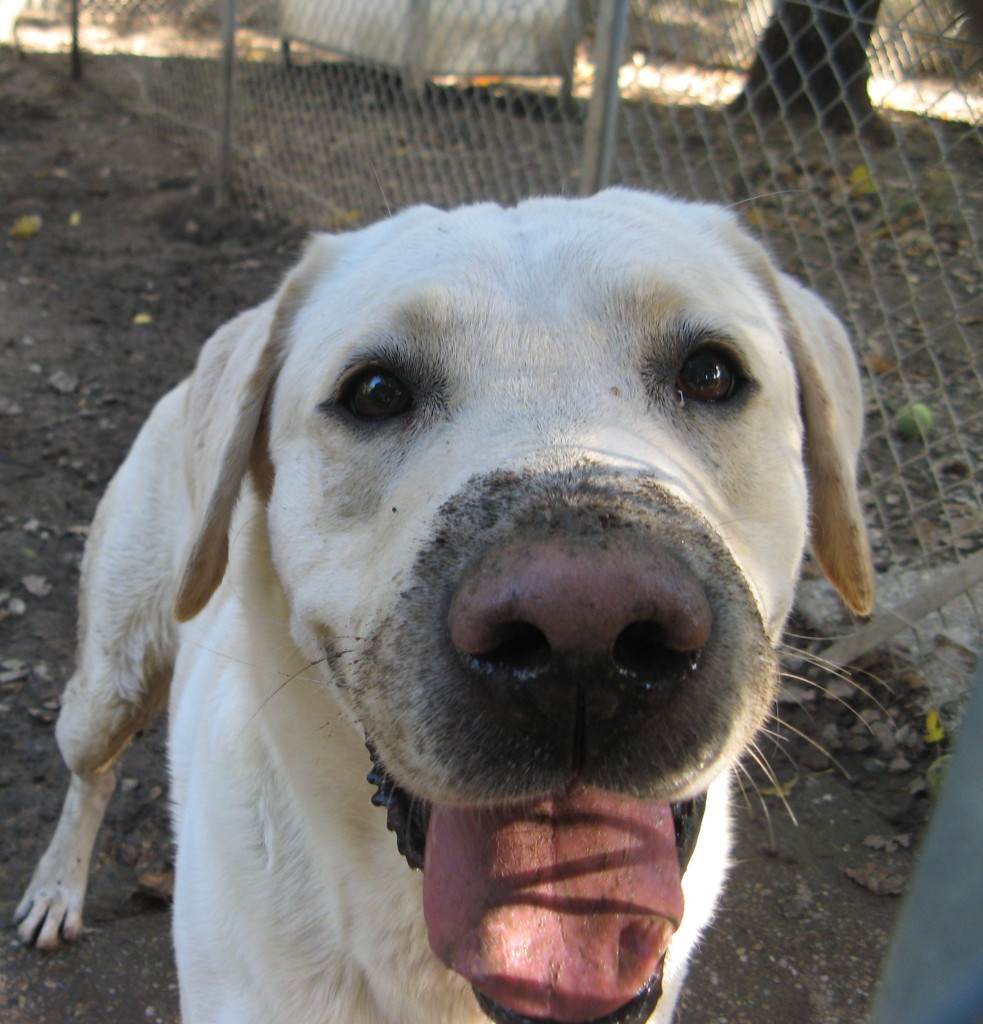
<point>273,531</point>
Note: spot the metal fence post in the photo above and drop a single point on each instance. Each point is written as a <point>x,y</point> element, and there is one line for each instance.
<point>602,110</point>
<point>223,155</point>
<point>75,55</point>
<point>415,56</point>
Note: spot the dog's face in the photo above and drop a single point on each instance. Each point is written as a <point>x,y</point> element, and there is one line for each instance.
<point>551,467</point>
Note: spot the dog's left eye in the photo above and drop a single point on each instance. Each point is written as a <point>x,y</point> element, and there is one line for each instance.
<point>709,375</point>
<point>376,394</point>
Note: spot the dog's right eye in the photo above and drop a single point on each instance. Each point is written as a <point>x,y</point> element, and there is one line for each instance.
<point>376,394</point>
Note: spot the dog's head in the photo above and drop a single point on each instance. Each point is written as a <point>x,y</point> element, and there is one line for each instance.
<point>555,468</point>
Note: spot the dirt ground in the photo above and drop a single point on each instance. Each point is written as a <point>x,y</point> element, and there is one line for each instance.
<point>102,309</point>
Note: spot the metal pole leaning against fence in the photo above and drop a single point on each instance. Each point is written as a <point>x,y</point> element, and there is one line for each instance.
<point>602,110</point>
<point>223,149</point>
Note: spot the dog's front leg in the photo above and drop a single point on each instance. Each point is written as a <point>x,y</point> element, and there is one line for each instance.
<point>50,913</point>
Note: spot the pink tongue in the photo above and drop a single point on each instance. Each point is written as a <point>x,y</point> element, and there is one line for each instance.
<point>560,908</point>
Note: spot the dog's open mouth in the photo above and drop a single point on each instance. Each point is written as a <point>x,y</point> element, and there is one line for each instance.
<point>558,909</point>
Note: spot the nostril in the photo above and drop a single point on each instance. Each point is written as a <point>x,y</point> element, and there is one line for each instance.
<point>518,646</point>
<point>641,650</point>
<point>638,646</point>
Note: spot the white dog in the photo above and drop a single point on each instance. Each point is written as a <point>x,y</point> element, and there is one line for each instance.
<point>505,508</point>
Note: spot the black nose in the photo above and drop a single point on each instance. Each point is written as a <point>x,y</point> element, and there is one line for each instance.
<point>571,631</point>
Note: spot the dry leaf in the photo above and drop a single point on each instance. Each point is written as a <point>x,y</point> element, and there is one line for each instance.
<point>780,789</point>
<point>36,586</point>
<point>877,878</point>
<point>157,886</point>
<point>879,364</point>
<point>27,226</point>
<point>63,382</point>
<point>861,183</point>
<point>889,844</point>
<point>934,730</point>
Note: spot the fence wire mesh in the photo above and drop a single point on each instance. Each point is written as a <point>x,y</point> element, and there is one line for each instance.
<point>848,133</point>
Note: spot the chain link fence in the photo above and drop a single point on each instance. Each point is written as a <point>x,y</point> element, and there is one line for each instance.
<point>848,133</point>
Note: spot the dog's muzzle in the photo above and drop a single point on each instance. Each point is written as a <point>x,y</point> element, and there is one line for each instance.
<point>565,626</point>
<point>586,656</point>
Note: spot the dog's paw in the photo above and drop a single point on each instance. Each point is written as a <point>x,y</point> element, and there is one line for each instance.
<point>49,916</point>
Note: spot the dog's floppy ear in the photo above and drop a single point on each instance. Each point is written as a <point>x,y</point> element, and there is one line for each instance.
<point>223,412</point>
<point>832,408</point>
<point>832,411</point>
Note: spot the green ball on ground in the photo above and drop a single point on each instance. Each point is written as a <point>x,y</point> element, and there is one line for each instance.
<point>914,420</point>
